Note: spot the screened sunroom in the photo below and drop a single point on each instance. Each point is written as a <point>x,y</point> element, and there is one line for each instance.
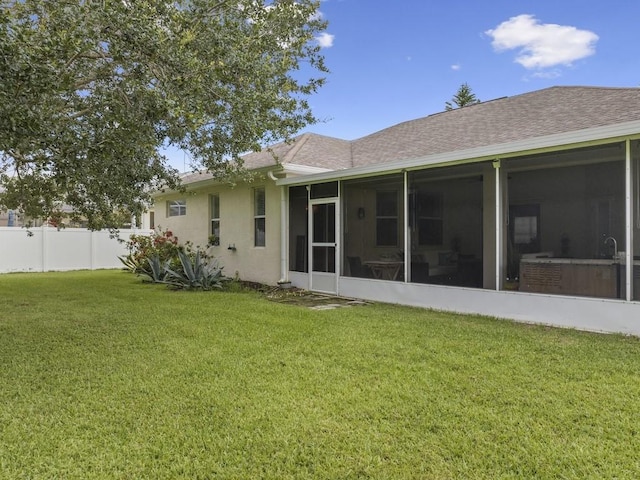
<point>555,223</point>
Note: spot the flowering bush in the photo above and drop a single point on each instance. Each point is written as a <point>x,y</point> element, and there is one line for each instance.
<point>160,258</point>
<point>161,244</point>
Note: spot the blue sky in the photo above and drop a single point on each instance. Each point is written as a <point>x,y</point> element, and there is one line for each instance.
<point>396,61</point>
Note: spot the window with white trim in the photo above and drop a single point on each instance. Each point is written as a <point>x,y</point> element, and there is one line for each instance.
<point>214,207</point>
<point>176,208</point>
<point>259,217</point>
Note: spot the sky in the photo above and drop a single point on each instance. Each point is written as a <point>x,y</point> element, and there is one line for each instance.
<point>395,61</point>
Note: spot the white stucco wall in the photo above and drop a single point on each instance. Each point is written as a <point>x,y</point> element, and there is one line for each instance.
<point>583,313</point>
<point>257,264</point>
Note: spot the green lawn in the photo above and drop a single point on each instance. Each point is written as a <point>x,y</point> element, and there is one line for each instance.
<point>104,377</point>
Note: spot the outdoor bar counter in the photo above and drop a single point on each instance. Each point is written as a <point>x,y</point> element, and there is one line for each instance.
<point>603,278</point>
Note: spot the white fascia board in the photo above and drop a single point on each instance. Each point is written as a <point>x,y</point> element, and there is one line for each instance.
<point>576,138</point>
<point>210,181</point>
<point>294,169</point>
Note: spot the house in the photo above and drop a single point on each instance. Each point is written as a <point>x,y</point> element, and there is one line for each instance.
<point>245,219</point>
<point>8,218</point>
<point>13,218</point>
<point>525,207</point>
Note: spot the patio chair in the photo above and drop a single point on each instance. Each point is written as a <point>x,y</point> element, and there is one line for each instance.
<point>357,269</point>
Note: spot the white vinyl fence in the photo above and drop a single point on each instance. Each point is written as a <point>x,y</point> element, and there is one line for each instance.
<point>67,249</point>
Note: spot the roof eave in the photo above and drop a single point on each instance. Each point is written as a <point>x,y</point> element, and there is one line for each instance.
<point>576,138</point>
<point>214,181</point>
<point>296,169</point>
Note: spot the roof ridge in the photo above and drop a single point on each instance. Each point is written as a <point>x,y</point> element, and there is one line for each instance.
<point>296,148</point>
<point>593,87</point>
<point>330,137</point>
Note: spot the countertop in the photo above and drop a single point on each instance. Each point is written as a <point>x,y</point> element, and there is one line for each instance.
<point>577,261</point>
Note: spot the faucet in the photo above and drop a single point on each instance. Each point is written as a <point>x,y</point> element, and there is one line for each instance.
<point>615,246</point>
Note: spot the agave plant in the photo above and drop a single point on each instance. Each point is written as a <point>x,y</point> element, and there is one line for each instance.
<point>130,262</point>
<point>156,270</point>
<point>195,273</point>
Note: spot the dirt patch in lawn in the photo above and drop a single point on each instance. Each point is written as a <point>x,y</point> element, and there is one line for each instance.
<point>303,298</point>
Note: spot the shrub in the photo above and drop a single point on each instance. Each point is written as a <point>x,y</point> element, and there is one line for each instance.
<point>161,244</point>
<point>160,258</point>
<point>195,273</point>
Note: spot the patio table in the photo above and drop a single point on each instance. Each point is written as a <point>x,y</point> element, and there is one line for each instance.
<point>385,269</point>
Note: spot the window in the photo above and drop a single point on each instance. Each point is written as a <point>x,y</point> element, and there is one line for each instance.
<point>524,221</point>
<point>429,218</point>
<point>525,230</point>
<point>259,219</point>
<point>176,208</point>
<point>324,190</point>
<point>214,206</point>
<point>387,218</point>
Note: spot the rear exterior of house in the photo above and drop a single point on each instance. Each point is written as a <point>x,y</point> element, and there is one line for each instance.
<point>243,220</point>
<point>525,208</point>
<point>247,220</point>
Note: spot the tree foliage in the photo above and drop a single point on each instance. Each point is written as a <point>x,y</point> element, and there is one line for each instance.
<point>91,90</point>
<point>463,97</point>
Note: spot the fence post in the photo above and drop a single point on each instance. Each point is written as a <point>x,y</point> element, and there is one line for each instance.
<point>44,248</point>
<point>92,250</point>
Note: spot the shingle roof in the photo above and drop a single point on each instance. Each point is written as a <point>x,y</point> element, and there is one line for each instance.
<point>536,114</point>
<point>543,112</point>
<point>307,149</point>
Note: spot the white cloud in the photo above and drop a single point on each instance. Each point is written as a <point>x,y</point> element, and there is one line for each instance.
<point>325,40</point>
<point>548,74</point>
<point>542,45</point>
<point>456,67</point>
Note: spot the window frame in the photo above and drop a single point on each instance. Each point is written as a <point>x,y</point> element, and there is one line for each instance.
<point>259,217</point>
<point>177,208</point>
<point>430,223</point>
<point>214,216</point>
<point>385,220</point>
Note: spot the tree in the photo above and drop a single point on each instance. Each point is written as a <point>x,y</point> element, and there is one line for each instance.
<point>463,97</point>
<point>90,90</point>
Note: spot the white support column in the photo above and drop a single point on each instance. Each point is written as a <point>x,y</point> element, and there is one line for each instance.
<point>284,236</point>
<point>407,233</point>
<point>499,222</point>
<point>629,215</point>
<point>284,232</point>
<point>339,237</point>
<point>309,238</point>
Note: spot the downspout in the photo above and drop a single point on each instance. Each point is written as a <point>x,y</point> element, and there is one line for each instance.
<point>284,237</point>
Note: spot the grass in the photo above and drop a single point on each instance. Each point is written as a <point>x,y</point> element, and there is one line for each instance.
<point>104,377</point>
